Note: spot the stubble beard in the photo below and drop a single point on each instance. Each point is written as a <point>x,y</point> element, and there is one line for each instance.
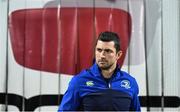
<point>105,67</point>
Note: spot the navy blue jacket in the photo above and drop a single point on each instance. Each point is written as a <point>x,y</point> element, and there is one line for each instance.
<point>90,91</point>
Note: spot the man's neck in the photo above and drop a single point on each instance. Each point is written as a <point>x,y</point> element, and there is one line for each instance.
<point>108,73</point>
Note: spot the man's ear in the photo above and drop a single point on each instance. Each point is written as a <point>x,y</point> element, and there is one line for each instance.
<point>119,54</point>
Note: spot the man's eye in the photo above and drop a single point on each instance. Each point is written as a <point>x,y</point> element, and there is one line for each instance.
<point>108,51</point>
<point>99,50</point>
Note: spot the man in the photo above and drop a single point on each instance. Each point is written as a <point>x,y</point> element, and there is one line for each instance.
<point>103,86</point>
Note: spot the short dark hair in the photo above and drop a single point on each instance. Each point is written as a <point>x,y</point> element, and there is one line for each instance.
<point>108,36</point>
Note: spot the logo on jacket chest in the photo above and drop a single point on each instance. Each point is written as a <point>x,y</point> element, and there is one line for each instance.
<point>90,83</point>
<point>125,84</point>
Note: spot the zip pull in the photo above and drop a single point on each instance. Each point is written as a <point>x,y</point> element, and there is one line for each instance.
<point>109,85</point>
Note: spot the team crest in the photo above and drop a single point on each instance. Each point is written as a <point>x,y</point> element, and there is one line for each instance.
<point>125,84</point>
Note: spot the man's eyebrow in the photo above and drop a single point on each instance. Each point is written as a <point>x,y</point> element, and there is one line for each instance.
<point>107,49</point>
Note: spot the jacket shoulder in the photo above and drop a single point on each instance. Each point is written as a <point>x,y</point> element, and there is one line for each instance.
<point>131,79</point>
<point>78,78</point>
<point>127,75</point>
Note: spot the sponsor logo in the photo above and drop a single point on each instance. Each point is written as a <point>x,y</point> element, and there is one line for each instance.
<point>89,83</point>
<point>125,84</point>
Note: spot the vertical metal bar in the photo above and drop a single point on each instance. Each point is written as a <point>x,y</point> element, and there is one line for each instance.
<point>24,63</point>
<point>7,61</point>
<point>24,60</point>
<point>146,63</point>
<point>129,49</point>
<point>77,49</point>
<point>59,47</point>
<point>110,22</point>
<point>162,60</point>
<point>43,44</point>
<point>94,28</point>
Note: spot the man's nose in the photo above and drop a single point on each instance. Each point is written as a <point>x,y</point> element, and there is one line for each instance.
<point>102,54</point>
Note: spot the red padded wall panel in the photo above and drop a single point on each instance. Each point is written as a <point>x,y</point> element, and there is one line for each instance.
<point>62,41</point>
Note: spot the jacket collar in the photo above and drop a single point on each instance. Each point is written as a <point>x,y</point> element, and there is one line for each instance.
<point>97,71</point>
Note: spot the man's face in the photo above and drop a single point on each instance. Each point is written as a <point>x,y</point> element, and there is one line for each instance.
<point>106,55</point>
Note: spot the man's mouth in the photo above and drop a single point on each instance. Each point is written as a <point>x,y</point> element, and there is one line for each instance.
<point>102,62</point>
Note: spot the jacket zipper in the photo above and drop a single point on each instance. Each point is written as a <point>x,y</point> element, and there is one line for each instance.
<point>109,85</point>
